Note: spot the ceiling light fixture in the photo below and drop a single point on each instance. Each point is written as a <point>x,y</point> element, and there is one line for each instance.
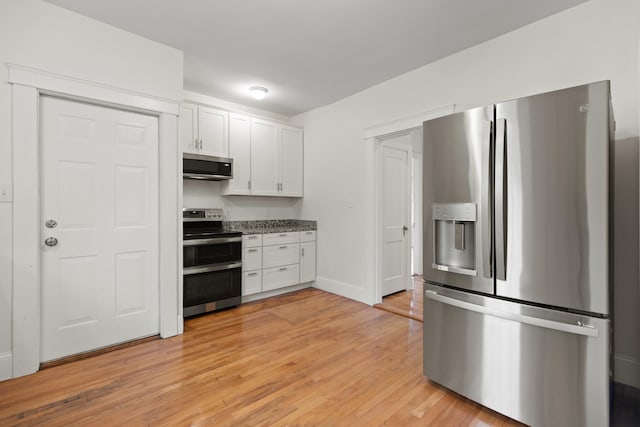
<point>258,92</point>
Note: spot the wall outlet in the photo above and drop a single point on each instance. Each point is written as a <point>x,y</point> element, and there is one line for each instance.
<point>6,194</point>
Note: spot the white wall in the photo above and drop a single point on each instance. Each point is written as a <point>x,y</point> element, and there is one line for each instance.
<point>208,194</point>
<point>595,41</point>
<point>39,35</point>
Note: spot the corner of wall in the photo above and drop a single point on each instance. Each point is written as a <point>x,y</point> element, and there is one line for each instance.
<point>343,289</point>
<point>6,366</point>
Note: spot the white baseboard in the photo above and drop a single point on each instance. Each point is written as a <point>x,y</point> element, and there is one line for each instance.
<point>344,289</point>
<point>626,370</point>
<point>6,366</point>
<point>273,293</point>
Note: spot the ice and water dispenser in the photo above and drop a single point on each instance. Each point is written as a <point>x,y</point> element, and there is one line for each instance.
<point>454,243</point>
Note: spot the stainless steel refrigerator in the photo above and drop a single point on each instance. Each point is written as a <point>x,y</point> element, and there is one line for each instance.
<point>517,250</point>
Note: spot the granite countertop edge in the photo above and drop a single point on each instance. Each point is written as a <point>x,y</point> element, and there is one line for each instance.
<point>270,226</point>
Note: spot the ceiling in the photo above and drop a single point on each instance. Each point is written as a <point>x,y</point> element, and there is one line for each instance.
<point>310,53</point>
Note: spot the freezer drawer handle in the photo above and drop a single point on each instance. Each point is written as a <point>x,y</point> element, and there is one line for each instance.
<point>578,328</point>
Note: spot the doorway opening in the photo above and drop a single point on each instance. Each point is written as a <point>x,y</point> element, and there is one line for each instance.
<point>400,225</point>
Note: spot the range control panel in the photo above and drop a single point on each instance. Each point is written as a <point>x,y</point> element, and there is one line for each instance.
<point>211,214</point>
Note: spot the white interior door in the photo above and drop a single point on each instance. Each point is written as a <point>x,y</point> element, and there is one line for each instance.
<point>99,181</point>
<point>395,208</point>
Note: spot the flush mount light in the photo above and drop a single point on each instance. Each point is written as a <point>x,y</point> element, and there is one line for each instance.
<point>258,92</point>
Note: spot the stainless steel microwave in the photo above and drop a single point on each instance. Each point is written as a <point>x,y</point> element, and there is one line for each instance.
<point>198,166</point>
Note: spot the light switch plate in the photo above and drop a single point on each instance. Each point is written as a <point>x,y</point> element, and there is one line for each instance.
<point>5,192</point>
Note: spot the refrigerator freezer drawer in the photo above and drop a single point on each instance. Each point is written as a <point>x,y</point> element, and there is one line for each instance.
<point>538,366</point>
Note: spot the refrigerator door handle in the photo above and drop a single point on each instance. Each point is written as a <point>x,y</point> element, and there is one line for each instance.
<point>485,205</point>
<point>577,328</point>
<point>501,199</point>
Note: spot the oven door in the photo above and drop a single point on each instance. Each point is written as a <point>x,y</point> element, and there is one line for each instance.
<point>217,250</point>
<point>211,288</point>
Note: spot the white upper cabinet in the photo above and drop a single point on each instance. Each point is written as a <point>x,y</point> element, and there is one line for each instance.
<point>291,159</point>
<point>264,158</point>
<point>267,158</point>
<point>203,130</point>
<point>240,152</point>
<point>189,128</point>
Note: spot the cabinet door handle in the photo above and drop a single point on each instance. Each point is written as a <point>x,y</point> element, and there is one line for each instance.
<point>201,143</point>
<point>249,185</point>
<point>302,251</point>
<point>283,269</point>
<point>284,247</point>
<point>195,144</point>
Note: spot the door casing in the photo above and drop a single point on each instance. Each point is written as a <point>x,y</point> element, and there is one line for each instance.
<point>27,86</point>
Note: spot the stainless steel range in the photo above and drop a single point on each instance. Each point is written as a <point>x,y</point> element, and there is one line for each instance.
<point>212,262</point>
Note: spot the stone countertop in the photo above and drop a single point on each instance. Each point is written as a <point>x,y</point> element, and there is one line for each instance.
<point>270,226</point>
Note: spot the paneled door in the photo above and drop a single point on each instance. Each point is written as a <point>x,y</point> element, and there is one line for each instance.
<point>99,227</point>
<point>395,209</point>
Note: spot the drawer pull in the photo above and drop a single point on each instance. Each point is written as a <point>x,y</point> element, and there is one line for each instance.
<point>252,237</point>
<point>252,274</point>
<point>283,235</point>
<point>253,250</point>
<point>283,268</point>
<point>284,247</point>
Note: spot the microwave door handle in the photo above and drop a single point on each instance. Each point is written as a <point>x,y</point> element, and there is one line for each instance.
<point>486,201</point>
<point>501,199</point>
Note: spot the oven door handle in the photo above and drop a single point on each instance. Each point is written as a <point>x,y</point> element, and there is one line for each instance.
<point>209,268</point>
<point>198,242</point>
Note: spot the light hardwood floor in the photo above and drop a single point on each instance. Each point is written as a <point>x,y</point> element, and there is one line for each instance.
<point>306,358</point>
<point>406,303</point>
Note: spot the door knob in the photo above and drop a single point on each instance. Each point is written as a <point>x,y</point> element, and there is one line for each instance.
<point>51,241</point>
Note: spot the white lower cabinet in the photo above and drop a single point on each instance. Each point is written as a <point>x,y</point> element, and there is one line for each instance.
<point>251,282</point>
<point>307,262</point>
<point>280,277</point>
<point>251,259</point>
<point>251,264</point>
<point>278,255</point>
<point>277,260</point>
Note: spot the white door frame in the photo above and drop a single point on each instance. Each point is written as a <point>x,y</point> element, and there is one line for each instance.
<point>27,86</point>
<point>373,137</point>
<point>380,142</point>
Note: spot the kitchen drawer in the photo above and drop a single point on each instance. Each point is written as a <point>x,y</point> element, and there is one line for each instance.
<point>251,282</point>
<point>274,256</point>
<point>251,259</point>
<point>280,277</point>
<point>308,236</point>
<point>280,238</point>
<point>251,240</point>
